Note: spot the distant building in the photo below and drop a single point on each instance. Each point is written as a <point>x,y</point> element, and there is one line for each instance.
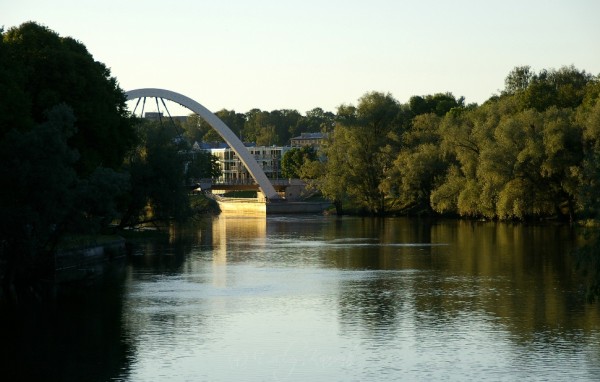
<point>308,139</point>
<point>208,146</point>
<point>234,171</point>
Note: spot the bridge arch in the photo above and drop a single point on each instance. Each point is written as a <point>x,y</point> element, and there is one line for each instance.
<point>220,127</point>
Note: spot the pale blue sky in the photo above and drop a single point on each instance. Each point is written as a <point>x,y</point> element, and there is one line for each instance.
<point>303,54</point>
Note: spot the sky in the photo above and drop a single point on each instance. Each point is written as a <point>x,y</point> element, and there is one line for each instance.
<point>268,54</point>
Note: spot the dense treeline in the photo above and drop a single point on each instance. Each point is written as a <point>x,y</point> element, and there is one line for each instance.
<point>531,152</point>
<point>265,128</point>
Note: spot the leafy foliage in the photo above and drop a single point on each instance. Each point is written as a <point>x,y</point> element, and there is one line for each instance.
<point>158,191</point>
<point>294,159</point>
<point>38,180</point>
<point>201,165</point>
<point>64,131</point>
<point>357,156</point>
<point>49,70</point>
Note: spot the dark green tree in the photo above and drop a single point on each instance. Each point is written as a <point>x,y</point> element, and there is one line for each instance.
<point>588,115</point>
<point>64,131</point>
<point>438,104</point>
<point>38,181</point>
<point>588,256</point>
<point>357,157</point>
<point>419,166</point>
<point>157,170</point>
<point>14,101</point>
<point>285,122</point>
<point>235,121</point>
<point>49,70</point>
<point>195,129</point>
<point>562,88</point>
<point>316,120</point>
<point>518,79</point>
<point>465,135</point>
<point>271,128</point>
<point>331,177</point>
<point>256,120</point>
<point>294,159</point>
<point>202,165</point>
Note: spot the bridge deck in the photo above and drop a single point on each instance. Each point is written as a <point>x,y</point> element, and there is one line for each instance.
<point>279,185</point>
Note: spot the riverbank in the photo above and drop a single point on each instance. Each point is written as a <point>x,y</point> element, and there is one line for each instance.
<point>78,262</point>
<point>82,258</point>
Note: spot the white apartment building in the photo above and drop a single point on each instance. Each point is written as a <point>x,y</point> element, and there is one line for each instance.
<point>233,170</point>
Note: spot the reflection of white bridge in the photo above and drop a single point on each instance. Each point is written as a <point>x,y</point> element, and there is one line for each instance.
<point>221,128</point>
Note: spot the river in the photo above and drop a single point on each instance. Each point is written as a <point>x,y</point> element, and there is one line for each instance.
<point>316,298</point>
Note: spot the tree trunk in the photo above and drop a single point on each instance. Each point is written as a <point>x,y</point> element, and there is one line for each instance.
<point>338,207</point>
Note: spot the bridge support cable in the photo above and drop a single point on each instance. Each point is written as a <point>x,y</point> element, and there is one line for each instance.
<point>158,111</point>
<point>178,131</point>
<point>136,105</point>
<point>143,107</point>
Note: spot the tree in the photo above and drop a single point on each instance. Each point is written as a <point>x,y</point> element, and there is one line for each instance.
<point>235,121</point>
<point>41,196</point>
<point>514,163</point>
<point>331,177</point>
<point>357,158</point>
<point>267,136</point>
<point>563,157</point>
<point>285,122</point>
<point>518,79</point>
<point>50,70</point>
<point>439,104</point>
<point>294,159</point>
<point>588,115</point>
<point>316,120</point>
<point>256,119</point>
<point>271,128</point>
<point>202,165</point>
<point>195,129</point>
<point>38,178</point>
<point>419,165</point>
<point>64,132</point>
<point>14,101</point>
<point>563,88</point>
<point>464,135</point>
<point>158,191</point>
<point>511,167</point>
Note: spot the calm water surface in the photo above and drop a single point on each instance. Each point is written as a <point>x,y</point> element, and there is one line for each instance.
<point>327,299</point>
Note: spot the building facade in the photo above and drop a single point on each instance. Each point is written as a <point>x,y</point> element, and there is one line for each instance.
<point>314,140</point>
<point>233,170</point>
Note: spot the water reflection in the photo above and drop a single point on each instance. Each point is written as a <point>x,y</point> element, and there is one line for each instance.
<point>368,299</point>
<point>321,298</point>
<point>75,336</point>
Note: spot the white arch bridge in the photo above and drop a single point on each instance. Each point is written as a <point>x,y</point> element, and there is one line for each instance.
<point>221,128</point>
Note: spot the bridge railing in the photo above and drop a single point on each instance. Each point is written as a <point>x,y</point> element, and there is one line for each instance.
<point>215,183</point>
